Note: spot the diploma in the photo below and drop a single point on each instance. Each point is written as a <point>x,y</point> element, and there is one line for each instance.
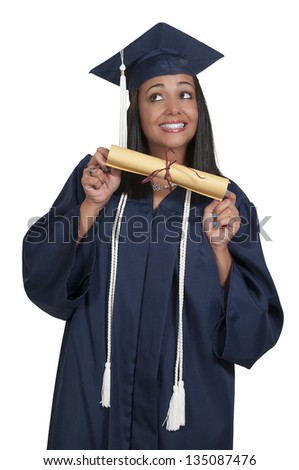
<point>189,178</point>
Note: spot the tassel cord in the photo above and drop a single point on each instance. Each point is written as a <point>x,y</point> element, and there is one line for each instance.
<point>123,104</point>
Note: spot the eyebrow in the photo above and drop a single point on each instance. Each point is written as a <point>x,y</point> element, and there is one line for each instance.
<point>161,85</point>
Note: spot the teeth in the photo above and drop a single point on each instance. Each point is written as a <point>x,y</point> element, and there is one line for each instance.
<point>178,125</point>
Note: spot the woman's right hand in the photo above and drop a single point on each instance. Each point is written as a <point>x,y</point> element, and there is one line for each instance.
<point>98,181</point>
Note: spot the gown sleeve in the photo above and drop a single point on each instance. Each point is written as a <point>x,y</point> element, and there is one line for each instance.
<point>56,271</point>
<point>252,315</point>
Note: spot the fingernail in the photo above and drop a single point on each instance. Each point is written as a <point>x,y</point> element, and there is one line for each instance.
<point>215,224</point>
<point>214,215</point>
<point>105,169</point>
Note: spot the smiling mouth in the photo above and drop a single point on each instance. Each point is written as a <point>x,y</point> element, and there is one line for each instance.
<point>173,126</point>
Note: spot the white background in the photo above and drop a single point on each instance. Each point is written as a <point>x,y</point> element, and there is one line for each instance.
<point>53,112</point>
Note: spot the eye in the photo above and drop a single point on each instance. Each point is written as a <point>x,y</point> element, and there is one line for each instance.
<point>156,97</point>
<point>185,95</point>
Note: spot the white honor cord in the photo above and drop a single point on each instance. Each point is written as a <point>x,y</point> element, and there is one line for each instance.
<point>106,385</point>
<point>176,412</point>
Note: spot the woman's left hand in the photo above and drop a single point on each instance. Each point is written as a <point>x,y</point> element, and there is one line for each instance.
<point>221,221</point>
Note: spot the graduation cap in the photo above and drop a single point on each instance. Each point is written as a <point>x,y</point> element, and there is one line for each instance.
<point>162,50</point>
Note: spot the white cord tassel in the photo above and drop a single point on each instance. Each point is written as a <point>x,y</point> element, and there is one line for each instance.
<point>106,386</point>
<point>176,412</point>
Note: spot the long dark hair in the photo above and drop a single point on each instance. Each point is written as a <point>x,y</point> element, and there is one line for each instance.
<point>200,151</point>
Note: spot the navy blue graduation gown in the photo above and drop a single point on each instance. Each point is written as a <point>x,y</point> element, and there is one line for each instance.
<point>220,329</point>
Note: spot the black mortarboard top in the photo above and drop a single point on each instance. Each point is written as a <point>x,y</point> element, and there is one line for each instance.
<point>162,50</point>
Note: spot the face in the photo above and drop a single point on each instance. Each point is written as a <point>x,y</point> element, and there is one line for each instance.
<point>168,112</point>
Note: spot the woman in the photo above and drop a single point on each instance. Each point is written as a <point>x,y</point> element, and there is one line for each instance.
<point>191,311</point>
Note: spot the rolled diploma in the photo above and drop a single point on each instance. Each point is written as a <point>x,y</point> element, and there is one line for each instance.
<point>135,162</point>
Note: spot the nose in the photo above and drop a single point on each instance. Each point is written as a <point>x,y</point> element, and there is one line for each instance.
<point>173,106</point>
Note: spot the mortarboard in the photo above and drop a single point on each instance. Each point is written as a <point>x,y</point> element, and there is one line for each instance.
<point>162,50</point>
